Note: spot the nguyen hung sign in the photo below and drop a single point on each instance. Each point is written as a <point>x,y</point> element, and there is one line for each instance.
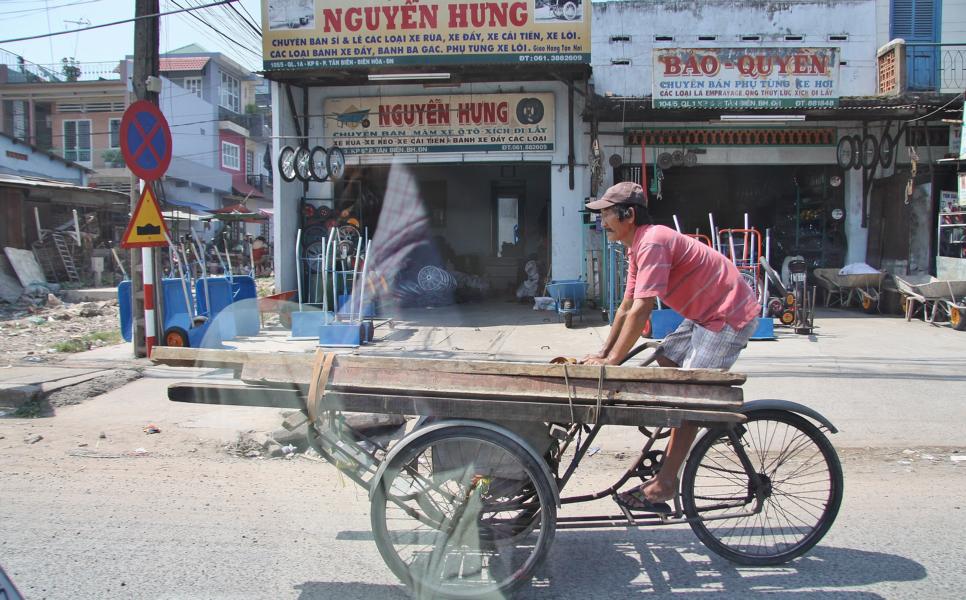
<point>458,123</point>
<point>745,78</point>
<point>310,34</point>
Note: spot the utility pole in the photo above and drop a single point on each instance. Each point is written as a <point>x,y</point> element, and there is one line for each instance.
<point>146,64</point>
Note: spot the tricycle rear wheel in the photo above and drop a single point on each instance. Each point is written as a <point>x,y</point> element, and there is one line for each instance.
<point>463,512</point>
<point>800,494</point>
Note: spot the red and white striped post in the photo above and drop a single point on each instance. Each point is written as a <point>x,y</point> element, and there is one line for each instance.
<point>150,329</point>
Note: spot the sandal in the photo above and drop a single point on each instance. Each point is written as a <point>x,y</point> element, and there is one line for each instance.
<point>636,500</point>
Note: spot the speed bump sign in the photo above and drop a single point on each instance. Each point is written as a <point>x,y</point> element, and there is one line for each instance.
<point>147,227</point>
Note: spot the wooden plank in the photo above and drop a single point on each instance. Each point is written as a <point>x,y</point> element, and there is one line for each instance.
<point>523,411</point>
<point>502,387</point>
<point>26,267</point>
<point>296,363</point>
<point>237,395</point>
<point>706,376</point>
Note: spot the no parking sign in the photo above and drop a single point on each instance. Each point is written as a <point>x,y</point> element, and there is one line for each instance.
<point>145,140</point>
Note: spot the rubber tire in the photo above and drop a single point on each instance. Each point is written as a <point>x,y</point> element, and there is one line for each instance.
<point>281,172</point>
<point>957,318</point>
<point>313,173</point>
<point>787,317</point>
<point>824,522</point>
<point>177,335</point>
<point>406,455</point>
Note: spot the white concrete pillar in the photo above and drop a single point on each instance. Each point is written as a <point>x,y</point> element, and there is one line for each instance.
<point>566,221</point>
<point>857,236</point>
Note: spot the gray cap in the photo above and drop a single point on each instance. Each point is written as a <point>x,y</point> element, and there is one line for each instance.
<point>626,192</point>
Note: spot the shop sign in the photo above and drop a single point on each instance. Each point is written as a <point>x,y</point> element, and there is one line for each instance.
<point>312,34</point>
<point>745,78</point>
<point>457,123</point>
<point>962,189</point>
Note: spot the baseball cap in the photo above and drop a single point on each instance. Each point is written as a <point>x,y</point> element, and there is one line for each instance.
<point>626,192</point>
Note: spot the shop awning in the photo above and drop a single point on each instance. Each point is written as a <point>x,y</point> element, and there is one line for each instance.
<point>187,204</point>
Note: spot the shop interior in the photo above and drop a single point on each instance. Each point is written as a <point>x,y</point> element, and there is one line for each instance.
<point>803,206</point>
<point>470,232</point>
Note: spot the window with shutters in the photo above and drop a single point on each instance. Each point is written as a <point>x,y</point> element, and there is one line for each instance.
<point>230,93</point>
<point>193,85</point>
<point>77,140</point>
<point>230,157</point>
<point>115,130</point>
<point>917,22</point>
<point>20,119</point>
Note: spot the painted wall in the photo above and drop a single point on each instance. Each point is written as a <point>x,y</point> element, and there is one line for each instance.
<point>728,20</point>
<point>19,159</point>
<point>565,203</point>
<point>953,22</point>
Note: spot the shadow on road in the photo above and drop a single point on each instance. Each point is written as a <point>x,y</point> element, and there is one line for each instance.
<point>672,563</point>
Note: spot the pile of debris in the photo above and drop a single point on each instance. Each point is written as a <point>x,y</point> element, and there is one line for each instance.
<point>46,329</point>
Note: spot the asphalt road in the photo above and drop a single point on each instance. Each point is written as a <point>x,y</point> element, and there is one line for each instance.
<point>170,515</point>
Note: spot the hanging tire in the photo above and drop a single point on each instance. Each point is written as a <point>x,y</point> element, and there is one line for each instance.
<point>302,164</point>
<point>869,151</point>
<point>463,512</point>
<point>799,499</point>
<point>335,163</point>
<point>957,318</point>
<point>176,337</point>
<point>286,164</point>
<point>318,159</point>
<point>846,153</point>
<point>887,150</point>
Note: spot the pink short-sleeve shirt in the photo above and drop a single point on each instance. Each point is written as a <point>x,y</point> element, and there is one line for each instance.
<point>690,277</point>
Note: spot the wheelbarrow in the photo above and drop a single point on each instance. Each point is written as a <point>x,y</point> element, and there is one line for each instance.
<point>569,297</point>
<point>282,304</point>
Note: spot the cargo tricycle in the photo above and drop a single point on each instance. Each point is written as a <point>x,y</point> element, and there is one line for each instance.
<point>466,503</point>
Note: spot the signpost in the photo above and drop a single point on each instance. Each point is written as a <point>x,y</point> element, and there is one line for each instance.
<point>146,147</point>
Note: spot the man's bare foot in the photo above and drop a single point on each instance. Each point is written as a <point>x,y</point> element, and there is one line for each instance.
<point>656,490</point>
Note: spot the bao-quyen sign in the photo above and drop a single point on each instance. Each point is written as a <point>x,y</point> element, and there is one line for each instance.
<point>745,78</point>
<point>311,34</point>
<point>457,123</point>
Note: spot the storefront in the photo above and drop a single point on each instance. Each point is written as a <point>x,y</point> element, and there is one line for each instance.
<point>463,144</point>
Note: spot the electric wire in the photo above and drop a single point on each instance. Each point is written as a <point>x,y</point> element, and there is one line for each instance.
<point>112,23</point>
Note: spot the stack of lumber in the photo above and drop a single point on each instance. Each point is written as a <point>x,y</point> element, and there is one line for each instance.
<point>471,389</point>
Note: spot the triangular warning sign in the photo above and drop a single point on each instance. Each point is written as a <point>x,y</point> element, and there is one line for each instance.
<point>146,228</point>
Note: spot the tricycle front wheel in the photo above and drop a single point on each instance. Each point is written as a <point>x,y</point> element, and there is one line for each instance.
<point>463,512</point>
<point>788,513</point>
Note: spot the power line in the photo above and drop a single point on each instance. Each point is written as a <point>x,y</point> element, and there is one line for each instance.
<point>215,29</point>
<point>131,20</point>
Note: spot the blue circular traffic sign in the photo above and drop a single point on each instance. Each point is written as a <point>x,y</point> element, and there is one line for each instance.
<point>145,140</point>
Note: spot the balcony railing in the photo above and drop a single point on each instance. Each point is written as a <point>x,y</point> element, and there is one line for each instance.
<point>15,69</point>
<point>260,182</point>
<point>921,67</point>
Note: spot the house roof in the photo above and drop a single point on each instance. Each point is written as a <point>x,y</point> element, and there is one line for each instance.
<point>66,193</point>
<point>51,155</point>
<point>187,63</point>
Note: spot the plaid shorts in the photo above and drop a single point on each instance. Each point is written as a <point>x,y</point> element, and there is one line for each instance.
<point>694,347</point>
